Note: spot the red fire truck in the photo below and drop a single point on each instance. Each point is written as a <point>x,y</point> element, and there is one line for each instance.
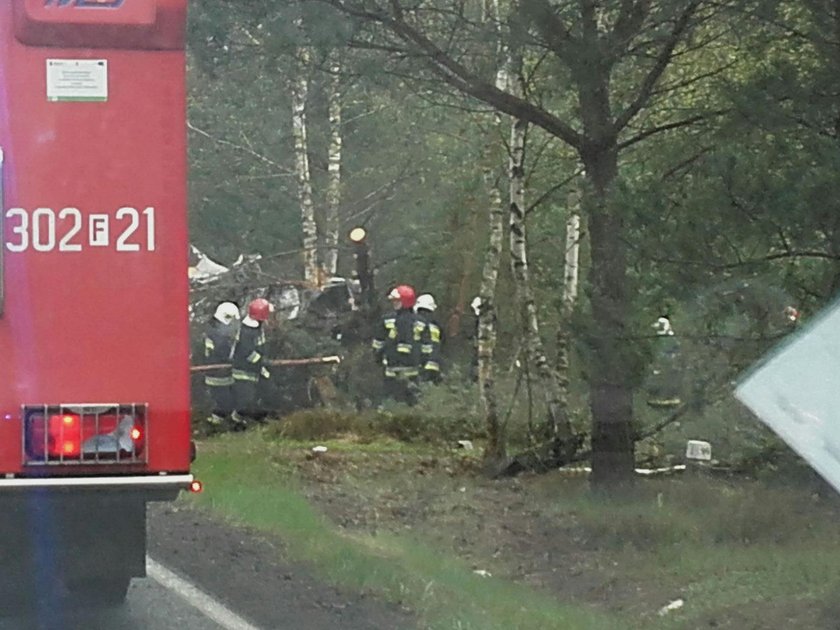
<point>94,364</point>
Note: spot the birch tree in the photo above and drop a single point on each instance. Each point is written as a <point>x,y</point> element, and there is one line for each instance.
<point>559,429</point>
<point>568,300</point>
<point>300,89</point>
<point>496,449</point>
<point>331,214</point>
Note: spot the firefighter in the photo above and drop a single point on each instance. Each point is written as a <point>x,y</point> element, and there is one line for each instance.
<point>218,349</point>
<point>249,362</point>
<point>397,346</point>
<point>430,368</point>
<point>665,383</point>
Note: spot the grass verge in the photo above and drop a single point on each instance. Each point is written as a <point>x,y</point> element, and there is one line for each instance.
<point>739,554</point>
<point>444,592</point>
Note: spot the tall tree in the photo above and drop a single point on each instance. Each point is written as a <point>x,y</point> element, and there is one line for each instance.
<point>300,90</point>
<point>333,205</point>
<point>612,60</point>
<point>559,429</point>
<point>496,449</point>
<point>568,299</point>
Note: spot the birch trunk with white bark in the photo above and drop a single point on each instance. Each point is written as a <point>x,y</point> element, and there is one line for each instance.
<point>331,216</point>
<point>569,299</point>
<point>495,451</point>
<point>558,423</point>
<point>300,89</point>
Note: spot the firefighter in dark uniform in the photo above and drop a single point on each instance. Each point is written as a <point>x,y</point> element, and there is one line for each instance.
<point>430,364</point>
<point>249,362</point>
<point>397,346</point>
<point>218,350</point>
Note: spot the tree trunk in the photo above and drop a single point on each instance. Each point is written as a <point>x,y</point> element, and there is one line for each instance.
<point>558,425</point>
<point>569,298</point>
<point>331,218</point>
<point>496,449</point>
<point>300,88</point>
<point>611,394</point>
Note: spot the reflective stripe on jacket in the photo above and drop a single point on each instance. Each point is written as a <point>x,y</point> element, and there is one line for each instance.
<point>431,343</point>
<point>248,354</point>
<point>397,341</point>
<point>218,348</point>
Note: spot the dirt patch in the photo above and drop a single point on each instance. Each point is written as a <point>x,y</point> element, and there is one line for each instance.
<point>498,526</point>
<point>515,529</point>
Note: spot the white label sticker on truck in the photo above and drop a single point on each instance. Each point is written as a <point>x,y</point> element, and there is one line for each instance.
<point>77,80</point>
<point>45,230</point>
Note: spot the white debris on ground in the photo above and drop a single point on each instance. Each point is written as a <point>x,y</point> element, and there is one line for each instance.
<point>698,450</point>
<point>671,607</point>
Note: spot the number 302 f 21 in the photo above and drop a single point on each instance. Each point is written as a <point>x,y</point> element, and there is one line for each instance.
<point>68,230</point>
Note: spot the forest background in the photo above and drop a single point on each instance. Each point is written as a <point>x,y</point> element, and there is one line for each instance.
<point>584,167</point>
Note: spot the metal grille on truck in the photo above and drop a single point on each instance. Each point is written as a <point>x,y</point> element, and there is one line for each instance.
<point>85,434</point>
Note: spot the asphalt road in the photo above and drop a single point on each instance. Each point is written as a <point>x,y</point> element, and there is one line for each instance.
<point>149,605</point>
<point>206,575</point>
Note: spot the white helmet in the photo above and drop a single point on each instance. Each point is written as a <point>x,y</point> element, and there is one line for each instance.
<point>226,312</point>
<point>426,301</point>
<point>663,327</point>
<point>475,305</point>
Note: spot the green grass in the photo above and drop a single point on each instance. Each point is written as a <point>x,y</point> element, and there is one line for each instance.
<point>444,592</point>
<point>728,578</point>
<point>727,548</point>
<point>740,553</point>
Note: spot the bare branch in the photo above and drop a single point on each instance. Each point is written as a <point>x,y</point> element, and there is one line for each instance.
<point>686,163</point>
<point>747,262</point>
<point>462,78</point>
<point>548,193</point>
<point>659,66</point>
<point>667,127</point>
<point>239,147</point>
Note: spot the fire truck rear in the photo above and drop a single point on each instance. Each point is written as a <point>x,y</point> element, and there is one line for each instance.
<point>94,365</point>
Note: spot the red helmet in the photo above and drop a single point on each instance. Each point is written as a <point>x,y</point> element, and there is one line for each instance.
<point>405,294</point>
<point>260,309</point>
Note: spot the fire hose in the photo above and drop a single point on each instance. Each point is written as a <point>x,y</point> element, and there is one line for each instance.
<point>276,362</point>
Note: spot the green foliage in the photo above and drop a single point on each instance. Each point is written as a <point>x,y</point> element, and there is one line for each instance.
<point>395,421</point>
<point>315,424</point>
<point>726,221</point>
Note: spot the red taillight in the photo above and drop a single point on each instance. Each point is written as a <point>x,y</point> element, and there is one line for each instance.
<point>63,436</point>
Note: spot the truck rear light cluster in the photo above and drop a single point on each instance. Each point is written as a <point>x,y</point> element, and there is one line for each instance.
<point>85,434</point>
